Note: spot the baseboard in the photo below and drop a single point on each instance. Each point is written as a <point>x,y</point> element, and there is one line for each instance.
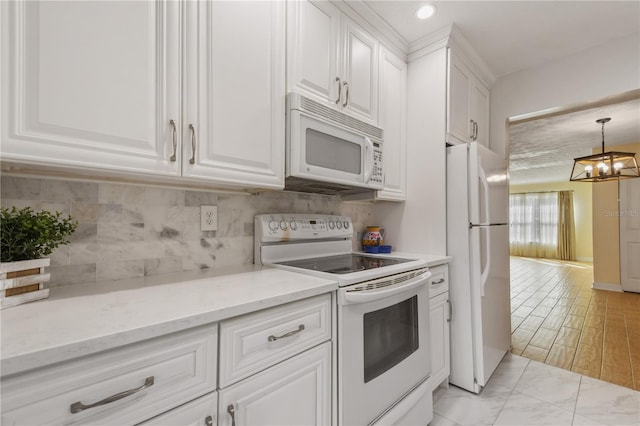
<point>585,259</point>
<point>606,286</point>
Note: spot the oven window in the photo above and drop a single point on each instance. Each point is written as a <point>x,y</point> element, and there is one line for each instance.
<point>330,152</point>
<point>390,336</point>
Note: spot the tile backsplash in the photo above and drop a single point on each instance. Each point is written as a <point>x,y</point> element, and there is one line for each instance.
<point>129,231</point>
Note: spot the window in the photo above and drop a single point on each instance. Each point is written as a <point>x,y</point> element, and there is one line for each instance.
<point>533,224</point>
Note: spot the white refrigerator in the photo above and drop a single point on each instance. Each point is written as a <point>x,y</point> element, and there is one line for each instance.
<point>478,241</point>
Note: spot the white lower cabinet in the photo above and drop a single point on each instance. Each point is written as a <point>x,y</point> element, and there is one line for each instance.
<point>122,386</point>
<point>440,316</point>
<point>275,368</point>
<point>295,392</point>
<point>201,412</point>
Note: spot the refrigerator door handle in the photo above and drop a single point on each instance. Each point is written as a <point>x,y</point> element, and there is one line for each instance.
<point>485,271</point>
<point>485,196</point>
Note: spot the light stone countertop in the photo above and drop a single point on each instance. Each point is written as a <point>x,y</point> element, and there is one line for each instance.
<point>81,320</point>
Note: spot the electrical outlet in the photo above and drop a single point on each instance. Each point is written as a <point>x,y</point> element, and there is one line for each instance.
<point>208,218</point>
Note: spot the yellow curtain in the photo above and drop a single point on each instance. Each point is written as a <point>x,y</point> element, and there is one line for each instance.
<point>566,227</point>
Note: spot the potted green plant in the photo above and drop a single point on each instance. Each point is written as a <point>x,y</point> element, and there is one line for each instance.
<point>26,239</point>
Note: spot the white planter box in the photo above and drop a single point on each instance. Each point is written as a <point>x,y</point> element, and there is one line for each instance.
<point>23,281</point>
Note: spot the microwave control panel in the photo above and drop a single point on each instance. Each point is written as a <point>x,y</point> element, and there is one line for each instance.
<point>377,174</point>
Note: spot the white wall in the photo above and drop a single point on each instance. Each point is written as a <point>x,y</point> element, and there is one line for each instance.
<point>586,76</point>
<point>419,224</point>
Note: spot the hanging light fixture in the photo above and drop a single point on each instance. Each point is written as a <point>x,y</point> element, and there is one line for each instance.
<point>604,166</point>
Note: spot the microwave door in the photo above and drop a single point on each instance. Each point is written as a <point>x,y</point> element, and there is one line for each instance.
<point>321,151</point>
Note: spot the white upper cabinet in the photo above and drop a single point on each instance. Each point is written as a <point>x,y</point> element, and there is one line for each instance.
<point>331,59</point>
<point>360,72</point>
<point>468,104</point>
<point>235,100</point>
<point>480,109</point>
<point>91,84</point>
<point>189,89</point>
<point>392,115</point>
<point>313,50</point>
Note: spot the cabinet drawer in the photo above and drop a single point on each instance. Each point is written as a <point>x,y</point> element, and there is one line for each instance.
<point>201,412</point>
<point>256,341</point>
<point>439,280</point>
<point>159,374</point>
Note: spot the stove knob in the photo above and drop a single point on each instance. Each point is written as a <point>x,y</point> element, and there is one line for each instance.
<point>339,225</point>
<point>331,224</point>
<point>283,225</point>
<point>293,225</point>
<point>346,224</point>
<point>273,225</point>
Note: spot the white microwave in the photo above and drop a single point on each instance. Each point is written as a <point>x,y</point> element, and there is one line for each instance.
<point>330,152</point>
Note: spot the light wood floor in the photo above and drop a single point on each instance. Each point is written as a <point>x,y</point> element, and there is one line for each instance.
<point>556,318</point>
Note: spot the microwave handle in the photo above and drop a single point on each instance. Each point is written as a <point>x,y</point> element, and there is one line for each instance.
<point>368,165</point>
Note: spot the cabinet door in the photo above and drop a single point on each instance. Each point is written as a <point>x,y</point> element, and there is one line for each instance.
<point>295,392</point>
<point>91,84</point>
<point>312,50</point>
<point>360,56</point>
<point>201,412</point>
<point>480,112</point>
<point>235,104</point>
<point>392,118</point>
<point>439,317</point>
<point>459,89</point>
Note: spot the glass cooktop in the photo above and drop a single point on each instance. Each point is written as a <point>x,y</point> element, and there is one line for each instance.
<point>344,263</point>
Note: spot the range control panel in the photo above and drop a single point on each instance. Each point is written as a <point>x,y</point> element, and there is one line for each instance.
<point>283,227</point>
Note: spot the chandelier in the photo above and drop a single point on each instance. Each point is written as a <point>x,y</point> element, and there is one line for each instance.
<point>605,166</point>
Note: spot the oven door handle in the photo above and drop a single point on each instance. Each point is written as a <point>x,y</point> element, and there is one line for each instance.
<point>365,296</point>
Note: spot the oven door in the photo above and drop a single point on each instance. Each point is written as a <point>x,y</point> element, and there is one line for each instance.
<point>383,344</point>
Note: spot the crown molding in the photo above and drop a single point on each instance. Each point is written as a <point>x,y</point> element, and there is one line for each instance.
<point>450,36</point>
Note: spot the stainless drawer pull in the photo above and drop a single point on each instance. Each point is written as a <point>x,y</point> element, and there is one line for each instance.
<point>174,139</point>
<point>450,311</point>
<point>346,94</point>
<point>192,160</point>
<point>76,407</point>
<point>273,338</point>
<point>440,281</point>
<point>232,412</point>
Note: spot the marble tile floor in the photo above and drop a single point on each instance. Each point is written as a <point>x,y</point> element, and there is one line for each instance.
<point>558,319</point>
<point>526,392</point>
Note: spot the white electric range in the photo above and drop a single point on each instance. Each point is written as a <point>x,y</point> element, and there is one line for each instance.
<point>382,310</point>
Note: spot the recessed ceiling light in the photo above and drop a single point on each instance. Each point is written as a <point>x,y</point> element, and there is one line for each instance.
<point>426,11</point>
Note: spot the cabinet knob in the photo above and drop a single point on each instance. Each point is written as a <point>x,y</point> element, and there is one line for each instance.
<point>208,421</point>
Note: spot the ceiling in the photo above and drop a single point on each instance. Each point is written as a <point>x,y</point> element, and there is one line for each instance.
<point>514,35</point>
<point>543,150</point>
